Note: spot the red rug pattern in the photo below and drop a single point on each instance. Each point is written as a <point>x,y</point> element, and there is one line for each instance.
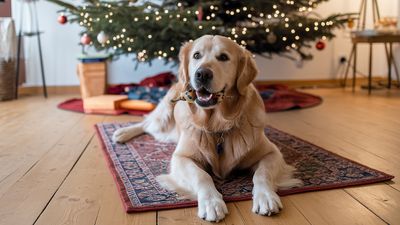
<point>136,164</point>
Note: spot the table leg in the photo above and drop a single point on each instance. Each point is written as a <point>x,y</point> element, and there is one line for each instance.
<point>390,65</point>
<point>348,67</point>
<point>354,66</point>
<point>370,69</point>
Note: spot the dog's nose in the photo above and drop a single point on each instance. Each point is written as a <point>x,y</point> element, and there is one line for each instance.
<point>203,75</point>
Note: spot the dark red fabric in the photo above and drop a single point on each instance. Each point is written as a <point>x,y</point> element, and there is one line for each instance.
<point>119,88</point>
<point>160,80</point>
<point>284,98</point>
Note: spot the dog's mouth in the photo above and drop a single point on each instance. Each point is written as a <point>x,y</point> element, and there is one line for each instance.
<point>206,98</point>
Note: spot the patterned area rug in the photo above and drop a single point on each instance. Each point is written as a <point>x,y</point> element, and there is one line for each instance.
<point>136,164</point>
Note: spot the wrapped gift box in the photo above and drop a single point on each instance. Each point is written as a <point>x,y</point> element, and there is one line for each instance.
<point>92,73</point>
<point>103,103</point>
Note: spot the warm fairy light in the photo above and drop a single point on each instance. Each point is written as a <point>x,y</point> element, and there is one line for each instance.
<point>284,38</point>
<point>307,29</point>
<point>297,37</point>
<point>149,36</point>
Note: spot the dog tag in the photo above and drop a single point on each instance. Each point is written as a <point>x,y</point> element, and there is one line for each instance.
<point>220,148</point>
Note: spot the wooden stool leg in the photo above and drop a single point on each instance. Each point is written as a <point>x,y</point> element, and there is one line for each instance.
<point>348,67</point>
<point>370,69</point>
<point>354,66</point>
<point>390,65</point>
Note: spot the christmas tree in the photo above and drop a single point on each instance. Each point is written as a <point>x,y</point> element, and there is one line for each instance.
<point>156,29</point>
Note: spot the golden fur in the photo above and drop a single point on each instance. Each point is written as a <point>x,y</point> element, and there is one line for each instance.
<point>240,118</point>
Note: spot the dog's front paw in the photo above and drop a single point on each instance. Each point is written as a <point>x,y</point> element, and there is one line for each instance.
<point>266,203</point>
<point>121,135</point>
<point>212,209</point>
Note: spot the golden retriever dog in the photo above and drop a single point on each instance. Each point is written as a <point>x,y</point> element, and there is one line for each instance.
<point>218,129</point>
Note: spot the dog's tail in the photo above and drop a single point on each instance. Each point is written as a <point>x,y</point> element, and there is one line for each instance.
<point>286,179</point>
<point>167,182</point>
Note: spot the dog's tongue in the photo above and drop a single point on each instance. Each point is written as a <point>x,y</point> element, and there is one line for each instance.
<point>204,95</point>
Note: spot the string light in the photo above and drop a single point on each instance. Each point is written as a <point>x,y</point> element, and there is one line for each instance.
<point>256,21</point>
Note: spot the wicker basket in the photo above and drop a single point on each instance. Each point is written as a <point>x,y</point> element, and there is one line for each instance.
<point>7,79</point>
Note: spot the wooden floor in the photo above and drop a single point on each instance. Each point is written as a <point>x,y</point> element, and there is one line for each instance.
<point>52,170</point>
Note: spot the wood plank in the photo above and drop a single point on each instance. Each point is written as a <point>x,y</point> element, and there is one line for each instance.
<point>333,207</point>
<point>363,128</point>
<point>45,176</point>
<point>186,216</point>
<point>289,215</point>
<point>337,139</point>
<point>24,149</point>
<point>380,199</point>
<point>93,192</point>
<point>77,201</point>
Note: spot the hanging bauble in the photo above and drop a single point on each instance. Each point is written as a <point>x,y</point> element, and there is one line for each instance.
<point>350,23</point>
<point>320,45</point>
<point>85,39</point>
<point>200,13</point>
<point>62,19</point>
<point>271,38</point>
<point>102,37</point>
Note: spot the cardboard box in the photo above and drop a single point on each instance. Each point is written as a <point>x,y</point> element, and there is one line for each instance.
<point>93,78</point>
<point>103,103</point>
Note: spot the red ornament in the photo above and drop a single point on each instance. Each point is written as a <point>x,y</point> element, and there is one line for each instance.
<point>200,13</point>
<point>320,45</point>
<point>62,19</point>
<point>85,39</point>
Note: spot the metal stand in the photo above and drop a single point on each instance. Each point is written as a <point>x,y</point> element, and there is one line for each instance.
<point>37,33</point>
<point>353,54</point>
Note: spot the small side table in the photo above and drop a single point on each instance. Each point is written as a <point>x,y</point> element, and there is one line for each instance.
<point>372,37</point>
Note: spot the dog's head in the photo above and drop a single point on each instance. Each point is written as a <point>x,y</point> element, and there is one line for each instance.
<point>215,65</point>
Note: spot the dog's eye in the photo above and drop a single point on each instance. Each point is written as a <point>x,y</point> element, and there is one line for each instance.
<point>196,55</point>
<point>223,57</point>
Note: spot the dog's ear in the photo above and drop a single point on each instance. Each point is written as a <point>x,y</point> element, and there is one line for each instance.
<point>247,71</point>
<point>184,63</point>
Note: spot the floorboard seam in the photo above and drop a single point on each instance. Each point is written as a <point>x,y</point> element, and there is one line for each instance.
<point>65,178</point>
<point>241,215</point>
<point>365,206</point>
<point>294,205</point>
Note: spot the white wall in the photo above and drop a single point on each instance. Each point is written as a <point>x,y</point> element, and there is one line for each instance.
<point>60,49</point>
